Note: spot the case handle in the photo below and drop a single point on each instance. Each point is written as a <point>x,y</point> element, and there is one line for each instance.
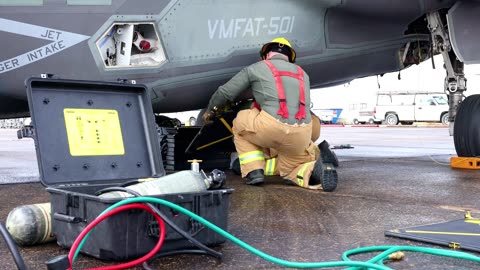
<point>67,218</point>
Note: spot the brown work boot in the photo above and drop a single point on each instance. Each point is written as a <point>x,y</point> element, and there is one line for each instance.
<point>255,177</point>
<point>324,174</point>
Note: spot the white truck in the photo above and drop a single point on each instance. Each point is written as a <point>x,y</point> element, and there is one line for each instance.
<point>409,107</point>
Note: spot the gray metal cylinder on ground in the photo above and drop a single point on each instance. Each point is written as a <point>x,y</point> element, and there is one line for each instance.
<point>179,182</point>
<point>30,224</point>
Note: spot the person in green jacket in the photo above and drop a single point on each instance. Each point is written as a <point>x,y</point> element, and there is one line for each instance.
<point>280,120</point>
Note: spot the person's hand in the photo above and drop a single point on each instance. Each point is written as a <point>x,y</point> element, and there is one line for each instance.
<point>206,117</point>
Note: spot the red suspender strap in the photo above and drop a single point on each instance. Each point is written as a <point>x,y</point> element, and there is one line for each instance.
<point>301,111</point>
<point>283,111</point>
<point>256,106</point>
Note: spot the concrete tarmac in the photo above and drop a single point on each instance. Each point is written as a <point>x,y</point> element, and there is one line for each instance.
<point>391,178</point>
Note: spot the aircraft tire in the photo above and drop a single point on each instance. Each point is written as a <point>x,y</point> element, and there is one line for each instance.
<point>162,141</point>
<point>200,117</point>
<point>466,135</point>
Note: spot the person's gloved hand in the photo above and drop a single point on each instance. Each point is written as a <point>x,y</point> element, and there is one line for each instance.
<point>206,117</point>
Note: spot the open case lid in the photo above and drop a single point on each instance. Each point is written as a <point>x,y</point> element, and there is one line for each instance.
<point>93,132</point>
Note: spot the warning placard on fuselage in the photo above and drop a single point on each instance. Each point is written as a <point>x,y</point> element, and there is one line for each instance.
<point>93,132</point>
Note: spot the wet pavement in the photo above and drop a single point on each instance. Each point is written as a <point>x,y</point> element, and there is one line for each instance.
<point>391,178</point>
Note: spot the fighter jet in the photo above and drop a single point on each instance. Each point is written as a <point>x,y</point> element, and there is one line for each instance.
<point>184,49</point>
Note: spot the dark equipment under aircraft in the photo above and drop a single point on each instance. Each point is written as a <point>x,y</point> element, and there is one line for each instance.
<point>184,49</point>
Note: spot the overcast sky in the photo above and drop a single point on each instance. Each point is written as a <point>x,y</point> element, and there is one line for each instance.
<point>415,78</point>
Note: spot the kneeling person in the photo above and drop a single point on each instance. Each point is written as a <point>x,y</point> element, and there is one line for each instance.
<point>282,91</point>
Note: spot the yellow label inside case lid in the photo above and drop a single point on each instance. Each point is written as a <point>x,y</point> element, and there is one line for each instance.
<point>93,132</point>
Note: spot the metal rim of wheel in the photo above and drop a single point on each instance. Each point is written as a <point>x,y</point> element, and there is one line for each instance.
<point>391,119</point>
<point>444,119</point>
<point>192,121</point>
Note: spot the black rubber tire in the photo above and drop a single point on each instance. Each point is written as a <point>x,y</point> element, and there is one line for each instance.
<point>163,142</point>
<point>444,119</point>
<point>355,121</point>
<point>391,119</point>
<point>466,131</point>
<point>371,121</point>
<point>200,117</point>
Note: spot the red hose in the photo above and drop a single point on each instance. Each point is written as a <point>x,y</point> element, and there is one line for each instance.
<point>95,222</point>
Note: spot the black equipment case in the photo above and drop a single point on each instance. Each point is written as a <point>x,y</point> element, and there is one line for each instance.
<point>175,152</point>
<point>92,135</point>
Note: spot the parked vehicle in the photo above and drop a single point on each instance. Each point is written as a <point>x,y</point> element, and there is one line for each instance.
<point>327,116</point>
<point>366,117</point>
<point>187,118</point>
<point>409,107</point>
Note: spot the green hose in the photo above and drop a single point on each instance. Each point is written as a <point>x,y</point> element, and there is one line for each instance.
<point>371,264</point>
<point>387,250</point>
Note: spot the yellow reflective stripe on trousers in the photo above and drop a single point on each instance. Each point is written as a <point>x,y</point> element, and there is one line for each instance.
<point>250,157</point>
<point>270,166</point>
<point>301,172</point>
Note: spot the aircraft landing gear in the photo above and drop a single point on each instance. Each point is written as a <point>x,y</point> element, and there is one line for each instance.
<point>463,117</point>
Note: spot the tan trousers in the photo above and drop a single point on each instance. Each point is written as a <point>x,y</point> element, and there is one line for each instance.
<point>271,167</point>
<point>256,132</point>
<point>315,127</point>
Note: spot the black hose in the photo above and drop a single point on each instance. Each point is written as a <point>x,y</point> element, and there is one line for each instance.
<point>13,248</point>
<point>129,183</point>
<point>103,190</point>
<point>180,252</point>
<point>194,241</point>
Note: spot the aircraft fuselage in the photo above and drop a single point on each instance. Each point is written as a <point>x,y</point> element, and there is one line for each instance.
<point>184,50</point>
